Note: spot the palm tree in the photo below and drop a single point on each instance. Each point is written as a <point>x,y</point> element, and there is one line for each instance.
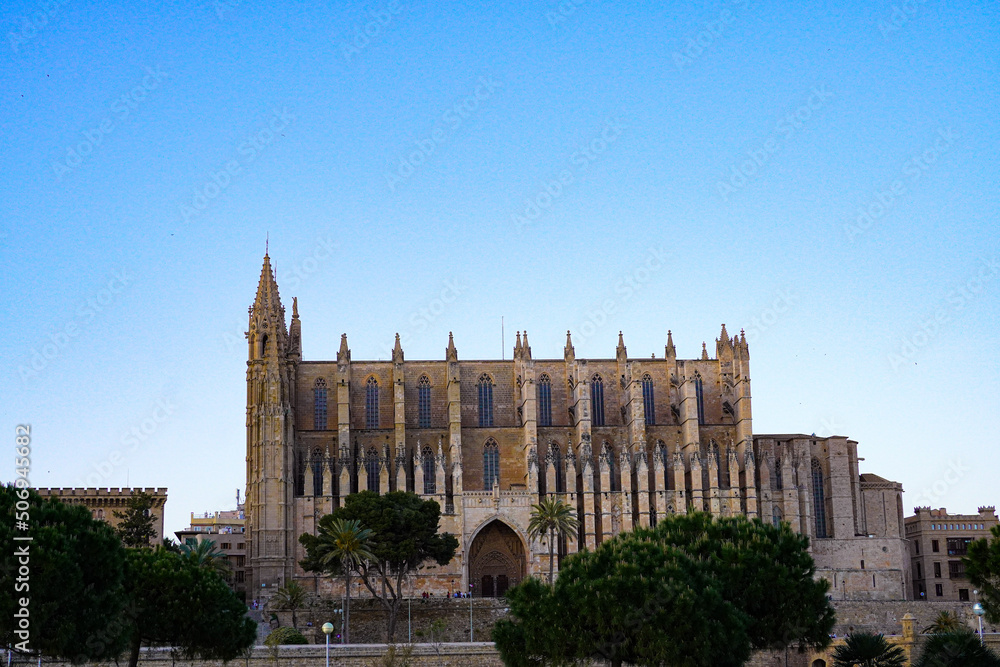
<point>864,649</point>
<point>344,544</point>
<point>944,622</point>
<point>552,516</point>
<point>960,648</point>
<point>292,597</point>
<point>206,554</point>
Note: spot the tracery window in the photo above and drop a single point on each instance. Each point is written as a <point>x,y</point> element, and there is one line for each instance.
<point>317,466</point>
<point>319,405</point>
<point>544,401</point>
<point>819,499</point>
<point>424,402</point>
<point>608,454</point>
<point>557,462</point>
<point>648,404</point>
<point>699,394</point>
<point>597,400</point>
<point>372,466</point>
<point>427,461</point>
<point>485,387</point>
<point>491,464</point>
<point>371,403</point>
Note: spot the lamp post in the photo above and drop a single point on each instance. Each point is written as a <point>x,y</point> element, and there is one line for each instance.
<point>471,635</point>
<point>340,611</point>
<point>327,629</point>
<point>978,610</point>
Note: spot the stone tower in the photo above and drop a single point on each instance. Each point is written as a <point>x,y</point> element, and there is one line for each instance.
<point>273,356</point>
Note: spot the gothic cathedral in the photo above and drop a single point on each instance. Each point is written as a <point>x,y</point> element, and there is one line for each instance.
<point>625,441</point>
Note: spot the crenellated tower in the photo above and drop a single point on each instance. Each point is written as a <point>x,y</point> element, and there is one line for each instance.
<point>273,356</point>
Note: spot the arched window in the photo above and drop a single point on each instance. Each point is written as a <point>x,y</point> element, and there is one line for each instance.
<point>700,396</point>
<point>777,474</point>
<point>371,403</point>
<point>100,514</point>
<point>424,402</point>
<point>608,454</point>
<point>557,462</point>
<point>775,516</point>
<point>819,499</point>
<point>597,400</point>
<point>319,405</point>
<point>427,461</point>
<point>372,467</point>
<point>491,464</point>
<point>649,406</point>
<point>485,400</point>
<point>317,466</point>
<point>544,401</point>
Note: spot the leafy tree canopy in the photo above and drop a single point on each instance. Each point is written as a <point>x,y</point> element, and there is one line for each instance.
<point>632,600</point>
<point>404,536</point>
<point>693,590</point>
<point>178,602</point>
<point>765,569</point>
<point>135,522</point>
<point>73,580</point>
<point>982,565</point>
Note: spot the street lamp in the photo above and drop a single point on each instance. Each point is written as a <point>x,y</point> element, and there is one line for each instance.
<point>978,610</point>
<point>340,635</point>
<point>327,629</point>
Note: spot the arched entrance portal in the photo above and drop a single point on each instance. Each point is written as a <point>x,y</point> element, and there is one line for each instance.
<point>496,560</point>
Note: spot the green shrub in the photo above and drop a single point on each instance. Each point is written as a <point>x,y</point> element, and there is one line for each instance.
<point>284,636</point>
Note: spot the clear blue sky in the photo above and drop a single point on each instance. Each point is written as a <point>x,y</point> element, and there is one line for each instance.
<point>824,177</point>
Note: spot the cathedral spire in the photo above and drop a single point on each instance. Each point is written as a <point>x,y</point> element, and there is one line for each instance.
<point>397,350</point>
<point>526,349</point>
<point>670,351</point>
<point>450,352</point>
<point>344,353</point>
<point>267,332</point>
<point>704,351</point>
<point>517,346</point>
<point>620,352</point>
<point>568,352</point>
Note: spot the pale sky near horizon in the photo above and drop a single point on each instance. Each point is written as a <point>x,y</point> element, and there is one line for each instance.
<point>824,177</point>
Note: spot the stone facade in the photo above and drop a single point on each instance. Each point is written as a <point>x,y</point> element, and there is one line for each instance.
<point>937,542</point>
<point>103,503</point>
<point>623,440</point>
